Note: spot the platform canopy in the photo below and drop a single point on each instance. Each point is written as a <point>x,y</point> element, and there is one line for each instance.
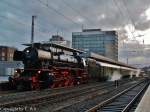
<point>104,61</point>
<point>107,65</point>
<point>114,66</point>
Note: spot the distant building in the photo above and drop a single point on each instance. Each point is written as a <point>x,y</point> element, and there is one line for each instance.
<point>134,53</point>
<point>7,65</point>
<point>95,40</point>
<point>56,39</point>
<point>6,53</point>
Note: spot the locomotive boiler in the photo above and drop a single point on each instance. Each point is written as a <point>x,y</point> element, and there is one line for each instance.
<point>48,66</point>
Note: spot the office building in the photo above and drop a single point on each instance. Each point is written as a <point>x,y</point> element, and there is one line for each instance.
<point>56,39</point>
<point>95,40</point>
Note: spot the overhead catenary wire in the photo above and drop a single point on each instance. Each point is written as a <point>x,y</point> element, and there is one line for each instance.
<point>22,23</point>
<point>128,20</point>
<point>128,12</point>
<point>39,25</point>
<point>132,21</point>
<point>129,16</point>
<point>123,14</point>
<point>78,12</point>
<point>19,20</point>
<point>119,9</point>
<point>59,13</point>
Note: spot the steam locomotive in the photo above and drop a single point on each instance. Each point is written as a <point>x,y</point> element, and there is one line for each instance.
<point>48,66</point>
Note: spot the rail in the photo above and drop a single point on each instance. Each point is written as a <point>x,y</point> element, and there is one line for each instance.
<point>102,104</point>
<point>135,98</point>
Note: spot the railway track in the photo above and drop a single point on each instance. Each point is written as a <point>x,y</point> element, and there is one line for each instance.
<point>32,95</point>
<point>124,101</point>
<point>62,103</point>
<point>54,96</point>
<point>44,99</point>
<point>21,95</point>
<point>86,104</point>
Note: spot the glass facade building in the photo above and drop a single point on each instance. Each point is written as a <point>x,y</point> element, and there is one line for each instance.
<point>94,40</point>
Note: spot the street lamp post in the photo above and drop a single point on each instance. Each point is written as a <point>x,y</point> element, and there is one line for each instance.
<point>32,30</point>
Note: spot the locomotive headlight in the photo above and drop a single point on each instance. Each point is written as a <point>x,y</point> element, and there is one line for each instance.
<point>39,71</point>
<point>27,51</point>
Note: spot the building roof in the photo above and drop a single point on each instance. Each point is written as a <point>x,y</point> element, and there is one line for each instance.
<point>49,44</point>
<point>89,30</point>
<point>96,31</point>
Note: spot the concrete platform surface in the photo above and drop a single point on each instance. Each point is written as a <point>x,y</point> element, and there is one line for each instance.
<point>144,105</point>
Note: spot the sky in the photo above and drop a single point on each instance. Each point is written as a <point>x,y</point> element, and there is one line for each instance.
<point>131,18</point>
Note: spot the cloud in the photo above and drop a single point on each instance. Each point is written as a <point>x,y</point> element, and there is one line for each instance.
<point>143,25</point>
<point>100,17</point>
<point>102,14</point>
<point>80,19</point>
<point>147,14</point>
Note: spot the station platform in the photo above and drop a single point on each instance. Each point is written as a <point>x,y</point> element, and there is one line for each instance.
<point>144,105</point>
<point>3,79</point>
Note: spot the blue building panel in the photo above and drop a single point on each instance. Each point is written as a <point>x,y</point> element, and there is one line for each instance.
<point>97,41</point>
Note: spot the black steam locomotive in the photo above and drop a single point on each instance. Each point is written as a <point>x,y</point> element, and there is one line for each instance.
<point>48,66</point>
